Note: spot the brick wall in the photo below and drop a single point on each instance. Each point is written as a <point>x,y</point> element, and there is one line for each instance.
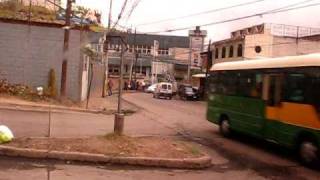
<point>27,53</point>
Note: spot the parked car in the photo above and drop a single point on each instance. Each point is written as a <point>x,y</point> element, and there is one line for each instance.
<point>186,92</point>
<point>163,90</point>
<point>151,88</point>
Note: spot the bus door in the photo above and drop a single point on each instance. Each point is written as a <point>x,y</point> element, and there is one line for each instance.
<point>272,87</point>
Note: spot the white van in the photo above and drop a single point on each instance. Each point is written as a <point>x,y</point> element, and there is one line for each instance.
<point>163,90</point>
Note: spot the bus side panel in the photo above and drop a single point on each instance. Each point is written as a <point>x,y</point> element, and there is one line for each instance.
<point>287,134</point>
<point>290,119</point>
<point>245,114</point>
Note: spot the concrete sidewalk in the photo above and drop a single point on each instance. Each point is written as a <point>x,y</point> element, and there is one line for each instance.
<point>96,104</point>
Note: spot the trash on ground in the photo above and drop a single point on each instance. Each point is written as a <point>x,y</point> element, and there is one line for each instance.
<point>5,134</point>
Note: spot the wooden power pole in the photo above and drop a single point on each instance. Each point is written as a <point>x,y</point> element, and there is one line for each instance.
<point>106,58</point>
<point>67,27</point>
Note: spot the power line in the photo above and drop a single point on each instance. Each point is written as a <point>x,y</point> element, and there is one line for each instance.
<point>200,13</point>
<point>273,11</point>
<point>292,5</point>
<point>121,13</point>
<point>133,7</point>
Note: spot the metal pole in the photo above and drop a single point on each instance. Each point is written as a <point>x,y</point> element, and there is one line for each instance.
<point>105,56</point>
<point>65,49</point>
<point>190,59</point>
<point>134,59</point>
<point>110,15</point>
<point>209,59</point>
<point>119,117</point>
<point>135,54</point>
<point>120,79</point>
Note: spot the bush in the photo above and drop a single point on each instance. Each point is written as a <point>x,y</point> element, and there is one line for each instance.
<point>11,5</point>
<point>14,89</point>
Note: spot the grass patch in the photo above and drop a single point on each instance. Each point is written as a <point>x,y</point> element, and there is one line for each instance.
<point>115,145</point>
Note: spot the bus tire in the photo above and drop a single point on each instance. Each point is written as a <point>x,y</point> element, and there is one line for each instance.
<point>224,127</point>
<point>308,152</point>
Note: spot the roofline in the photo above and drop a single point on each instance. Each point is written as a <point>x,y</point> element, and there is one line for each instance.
<point>43,24</point>
<point>310,60</point>
<point>147,34</point>
<point>227,41</point>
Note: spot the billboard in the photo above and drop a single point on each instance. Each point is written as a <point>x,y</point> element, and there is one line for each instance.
<point>196,48</point>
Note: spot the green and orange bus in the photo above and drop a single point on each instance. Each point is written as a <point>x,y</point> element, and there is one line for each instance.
<point>276,99</point>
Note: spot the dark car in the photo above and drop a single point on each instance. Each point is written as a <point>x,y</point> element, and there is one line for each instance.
<point>186,92</point>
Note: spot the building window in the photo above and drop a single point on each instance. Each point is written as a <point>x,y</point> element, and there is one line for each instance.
<point>258,49</point>
<point>239,51</point>
<point>231,52</point>
<point>116,70</point>
<point>216,54</point>
<point>223,52</point>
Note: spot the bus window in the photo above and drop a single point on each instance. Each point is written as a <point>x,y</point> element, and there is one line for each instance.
<point>295,87</point>
<point>250,85</point>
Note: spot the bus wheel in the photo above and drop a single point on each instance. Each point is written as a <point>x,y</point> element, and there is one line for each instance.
<point>224,127</point>
<point>308,152</point>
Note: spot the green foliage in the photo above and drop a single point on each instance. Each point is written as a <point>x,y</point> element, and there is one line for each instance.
<point>14,9</point>
<point>52,85</point>
<point>11,5</point>
<point>80,11</point>
<point>90,52</point>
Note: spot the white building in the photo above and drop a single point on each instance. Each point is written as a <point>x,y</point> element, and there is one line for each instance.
<point>267,40</point>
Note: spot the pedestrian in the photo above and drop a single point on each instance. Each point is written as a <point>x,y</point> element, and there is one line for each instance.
<point>137,85</point>
<point>133,85</point>
<point>110,85</point>
<point>126,85</point>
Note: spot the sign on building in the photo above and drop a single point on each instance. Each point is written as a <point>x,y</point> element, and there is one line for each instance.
<point>196,47</point>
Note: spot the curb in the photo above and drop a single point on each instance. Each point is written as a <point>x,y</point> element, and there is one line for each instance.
<point>45,108</point>
<point>34,108</point>
<point>186,163</point>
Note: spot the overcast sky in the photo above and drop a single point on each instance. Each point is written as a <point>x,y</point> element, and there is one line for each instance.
<point>153,10</point>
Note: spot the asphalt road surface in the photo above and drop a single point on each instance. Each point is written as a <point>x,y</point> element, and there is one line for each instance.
<point>236,158</point>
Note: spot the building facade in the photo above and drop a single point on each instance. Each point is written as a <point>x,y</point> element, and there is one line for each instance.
<point>266,40</point>
<point>151,56</point>
<point>28,51</point>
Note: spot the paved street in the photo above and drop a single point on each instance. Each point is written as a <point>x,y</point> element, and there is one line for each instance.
<point>238,158</point>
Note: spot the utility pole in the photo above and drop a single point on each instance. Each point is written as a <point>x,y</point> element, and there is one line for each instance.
<point>133,57</point>
<point>119,116</point>
<point>208,66</point>
<point>106,58</point>
<point>66,49</point>
<point>110,15</point>
<point>136,56</point>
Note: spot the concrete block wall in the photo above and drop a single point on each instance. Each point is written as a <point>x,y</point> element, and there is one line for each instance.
<point>265,41</point>
<point>27,53</point>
